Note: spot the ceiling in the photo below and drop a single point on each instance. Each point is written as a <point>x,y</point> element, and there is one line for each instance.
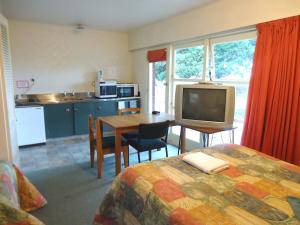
<point>116,15</point>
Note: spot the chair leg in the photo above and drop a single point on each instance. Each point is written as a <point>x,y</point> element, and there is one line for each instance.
<point>139,157</point>
<point>167,155</point>
<point>126,156</point>
<point>150,156</point>
<point>92,155</point>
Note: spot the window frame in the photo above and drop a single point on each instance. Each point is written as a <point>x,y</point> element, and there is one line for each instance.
<point>188,45</point>
<point>226,39</point>
<point>150,77</point>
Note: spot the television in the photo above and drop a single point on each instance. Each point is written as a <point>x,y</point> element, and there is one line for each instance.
<point>205,105</point>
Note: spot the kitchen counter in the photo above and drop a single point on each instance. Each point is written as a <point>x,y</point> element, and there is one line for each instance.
<point>25,102</point>
<point>66,114</point>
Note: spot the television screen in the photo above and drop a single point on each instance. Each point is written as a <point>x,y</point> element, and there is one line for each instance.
<point>204,104</point>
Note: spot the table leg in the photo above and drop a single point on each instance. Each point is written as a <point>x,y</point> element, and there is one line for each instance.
<point>118,150</point>
<point>99,128</point>
<point>232,132</point>
<point>203,139</point>
<point>207,140</point>
<point>179,144</point>
<point>182,141</point>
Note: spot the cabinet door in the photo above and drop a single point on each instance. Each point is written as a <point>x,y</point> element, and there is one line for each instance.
<point>59,120</point>
<point>106,108</point>
<point>81,112</point>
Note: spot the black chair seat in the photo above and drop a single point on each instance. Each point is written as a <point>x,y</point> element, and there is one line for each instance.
<point>146,144</point>
<point>130,135</point>
<point>109,142</point>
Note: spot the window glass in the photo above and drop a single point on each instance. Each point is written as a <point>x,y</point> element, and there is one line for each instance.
<point>159,86</point>
<point>241,94</point>
<point>233,60</point>
<point>189,62</point>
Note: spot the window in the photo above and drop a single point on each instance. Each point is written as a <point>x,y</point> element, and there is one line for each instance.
<point>233,60</point>
<point>189,62</point>
<point>159,86</point>
<point>241,95</point>
<point>231,63</point>
<point>227,59</point>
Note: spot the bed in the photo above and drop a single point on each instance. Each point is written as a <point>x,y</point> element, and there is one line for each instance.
<point>255,189</point>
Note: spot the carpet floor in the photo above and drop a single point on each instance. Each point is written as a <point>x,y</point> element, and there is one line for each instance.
<point>74,193</point>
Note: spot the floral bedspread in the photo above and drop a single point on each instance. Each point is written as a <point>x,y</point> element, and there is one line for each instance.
<point>253,190</point>
<point>17,197</point>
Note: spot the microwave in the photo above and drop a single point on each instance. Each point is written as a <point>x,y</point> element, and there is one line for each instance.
<point>127,90</point>
<point>106,90</point>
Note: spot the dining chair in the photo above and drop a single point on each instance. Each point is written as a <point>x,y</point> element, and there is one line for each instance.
<point>103,145</point>
<point>151,136</point>
<point>128,111</point>
<point>92,138</point>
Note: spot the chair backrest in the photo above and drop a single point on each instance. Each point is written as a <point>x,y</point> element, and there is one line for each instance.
<point>129,110</point>
<point>154,130</point>
<point>99,135</point>
<point>91,121</point>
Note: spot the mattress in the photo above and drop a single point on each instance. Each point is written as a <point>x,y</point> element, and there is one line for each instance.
<point>253,190</point>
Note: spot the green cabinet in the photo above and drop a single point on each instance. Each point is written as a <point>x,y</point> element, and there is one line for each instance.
<point>59,120</point>
<point>67,119</point>
<point>81,112</point>
<point>106,108</point>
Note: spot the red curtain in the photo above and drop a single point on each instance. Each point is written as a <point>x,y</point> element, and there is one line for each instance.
<point>157,55</point>
<point>272,123</point>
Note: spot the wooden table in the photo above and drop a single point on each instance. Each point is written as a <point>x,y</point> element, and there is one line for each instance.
<point>206,131</point>
<point>128,123</point>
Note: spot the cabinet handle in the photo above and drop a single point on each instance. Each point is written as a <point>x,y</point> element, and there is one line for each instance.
<point>99,107</point>
<point>67,110</point>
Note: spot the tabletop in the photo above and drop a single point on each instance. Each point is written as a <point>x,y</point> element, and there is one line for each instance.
<point>133,120</point>
<point>208,130</point>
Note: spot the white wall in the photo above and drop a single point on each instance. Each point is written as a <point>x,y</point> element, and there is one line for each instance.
<point>216,17</point>
<point>61,60</point>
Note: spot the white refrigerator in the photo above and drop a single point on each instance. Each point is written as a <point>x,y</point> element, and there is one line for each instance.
<point>30,125</point>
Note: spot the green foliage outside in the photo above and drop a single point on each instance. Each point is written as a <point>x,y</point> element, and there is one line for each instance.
<point>189,62</point>
<point>234,59</point>
<point>160,70</point>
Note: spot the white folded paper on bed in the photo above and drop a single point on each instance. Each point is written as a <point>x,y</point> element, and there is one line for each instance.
<point>206,163</point>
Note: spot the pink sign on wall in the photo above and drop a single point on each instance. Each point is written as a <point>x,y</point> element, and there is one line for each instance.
<point>22,84</point>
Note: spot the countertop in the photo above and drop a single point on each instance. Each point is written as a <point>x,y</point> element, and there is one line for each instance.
<point>27,102</point>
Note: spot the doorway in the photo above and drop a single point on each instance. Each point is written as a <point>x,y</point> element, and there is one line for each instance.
<point>158,86</point>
